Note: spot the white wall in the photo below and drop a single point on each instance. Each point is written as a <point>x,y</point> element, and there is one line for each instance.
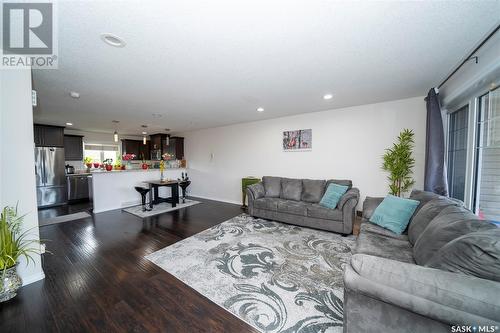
<point>17,181</point>
<point>347,143</point>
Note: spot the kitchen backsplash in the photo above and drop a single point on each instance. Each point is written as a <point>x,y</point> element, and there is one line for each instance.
<point>78,165</point>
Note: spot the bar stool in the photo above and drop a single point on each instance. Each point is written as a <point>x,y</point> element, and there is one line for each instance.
<point>143,191</point>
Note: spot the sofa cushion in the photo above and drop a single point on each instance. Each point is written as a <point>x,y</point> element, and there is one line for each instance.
<point>293,207</point>
<point>477,253</point>
<point>291,189</point>
<point>319,212</point>
<point>267,203</point>
<point>385,247</point>
<point>272,185</point>
<point>430,295</point>
<point>450,224</point>
<point>332,195</point>
<point>424,197</point>
<point>369,206</point>
<point>343,182</point>
<point>394,213</point>
<point>369,227</point>
<point>425,215</point>
<point>312,190</point>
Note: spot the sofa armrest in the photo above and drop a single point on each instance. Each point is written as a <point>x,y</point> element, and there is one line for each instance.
<point>352,193</point>
<point>450,298</point>
<point>256,190</point>
<point>347,204</point>
<point>369,206</point>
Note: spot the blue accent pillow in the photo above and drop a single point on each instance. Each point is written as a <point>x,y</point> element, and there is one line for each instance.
<point>332,195</point>
<point>394,213</point>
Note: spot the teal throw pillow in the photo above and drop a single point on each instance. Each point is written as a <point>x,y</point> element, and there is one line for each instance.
<point>332,195</point>
<point>394,213</point>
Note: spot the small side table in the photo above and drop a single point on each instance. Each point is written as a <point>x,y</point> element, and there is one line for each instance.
<point>245,182</point>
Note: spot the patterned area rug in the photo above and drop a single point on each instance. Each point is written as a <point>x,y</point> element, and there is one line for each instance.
<point>276,277</point>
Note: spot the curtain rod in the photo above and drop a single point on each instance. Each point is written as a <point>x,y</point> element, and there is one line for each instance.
<point>470,56</point>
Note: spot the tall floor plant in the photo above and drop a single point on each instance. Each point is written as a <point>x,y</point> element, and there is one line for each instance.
<point>398,161</point>
<point>13,242</point>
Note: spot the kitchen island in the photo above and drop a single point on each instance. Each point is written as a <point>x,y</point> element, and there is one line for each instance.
<point>115,189</point>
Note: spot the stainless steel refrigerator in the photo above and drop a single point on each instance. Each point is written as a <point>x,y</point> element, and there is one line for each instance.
<point>50,176</point>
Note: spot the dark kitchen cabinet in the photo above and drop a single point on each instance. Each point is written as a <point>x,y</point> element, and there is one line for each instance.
<point>38,133</point>
<point>144,151</point>
<point>158,146</point>
<point>73,147</point>
<point>176,147</point>
<point>131,147</point>
<point>48,136</point>
<point>136,147</point>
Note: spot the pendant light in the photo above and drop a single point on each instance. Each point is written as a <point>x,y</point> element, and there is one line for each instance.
<point>144,139</point>
<point>168,137</point>
<point>115,134</point>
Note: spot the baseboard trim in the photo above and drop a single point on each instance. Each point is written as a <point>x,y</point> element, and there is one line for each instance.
<point>33,278</point>
<point>215,199</point>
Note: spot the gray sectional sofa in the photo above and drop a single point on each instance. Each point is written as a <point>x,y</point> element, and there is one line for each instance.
<point>295,201</point>
<point>424,280</point>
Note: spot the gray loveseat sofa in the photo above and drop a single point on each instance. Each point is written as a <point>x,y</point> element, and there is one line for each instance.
<point>295,201</point>
<point>402,283</point>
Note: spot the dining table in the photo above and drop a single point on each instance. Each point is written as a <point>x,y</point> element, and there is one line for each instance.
<point>154,197</point>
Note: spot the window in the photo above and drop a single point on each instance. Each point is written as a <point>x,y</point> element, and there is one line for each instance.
<point>457,152</point>
<point>486,201</point>
<point>99,153</point>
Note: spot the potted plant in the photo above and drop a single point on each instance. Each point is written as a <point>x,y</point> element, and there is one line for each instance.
<point>167,156</point>
<point>13,245</point>
<point>144,164</point>
<point>399,162</point>
<point>128,158</point>
<point>108,164</point>
<point>118,164</point>
<point>88,162</point>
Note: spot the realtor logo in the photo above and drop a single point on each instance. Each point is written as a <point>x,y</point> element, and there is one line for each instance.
<point>28,37</point>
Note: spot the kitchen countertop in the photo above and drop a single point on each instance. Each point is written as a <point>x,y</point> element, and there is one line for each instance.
<point>133,170</point>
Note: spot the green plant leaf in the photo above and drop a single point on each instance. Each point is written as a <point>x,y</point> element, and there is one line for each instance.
<point>399,162</point>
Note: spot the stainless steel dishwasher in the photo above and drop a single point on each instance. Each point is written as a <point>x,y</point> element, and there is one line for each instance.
<point>78,186</point>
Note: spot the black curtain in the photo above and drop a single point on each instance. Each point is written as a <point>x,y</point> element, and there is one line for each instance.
<point>435,172</point>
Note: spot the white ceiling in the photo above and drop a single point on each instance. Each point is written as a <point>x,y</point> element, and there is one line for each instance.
<point>204,64</point>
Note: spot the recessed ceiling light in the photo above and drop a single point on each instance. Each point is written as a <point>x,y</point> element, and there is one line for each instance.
<point>74,94</point>
<point>260,109</point>
<point>69,124</point>
<point>144,133</point>
<point>113,40</point>
<point>328,96</point>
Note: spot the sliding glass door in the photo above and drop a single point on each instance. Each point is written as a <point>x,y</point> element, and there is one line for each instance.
<point>486,201</point>
<point>457,152</point>
<point>474,155</point>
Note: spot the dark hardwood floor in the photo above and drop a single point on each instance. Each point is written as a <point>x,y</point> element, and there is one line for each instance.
<point>97,279</point>
<point>81,206</point>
